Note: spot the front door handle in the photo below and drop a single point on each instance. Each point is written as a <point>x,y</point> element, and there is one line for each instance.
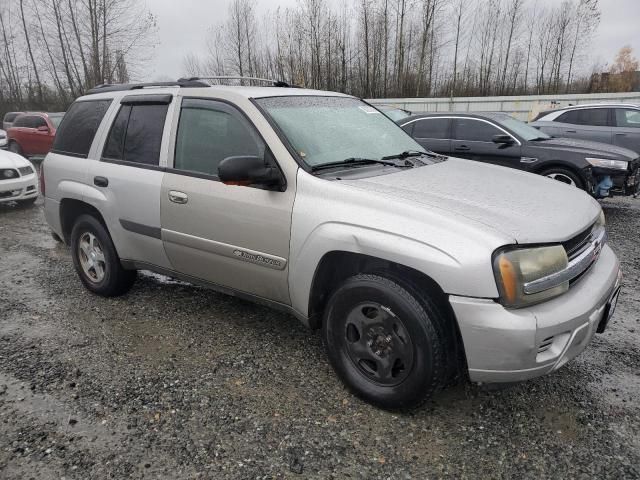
<point>178,197</point>
<point>463,148</point>
<point>569,131</point>
<point>101,181</point>
<point>621,134</point>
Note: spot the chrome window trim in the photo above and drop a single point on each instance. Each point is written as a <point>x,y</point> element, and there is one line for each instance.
<point>463,118</point>
<point>576,267</point>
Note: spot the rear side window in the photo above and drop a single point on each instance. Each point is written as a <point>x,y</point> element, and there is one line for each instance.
<point>628,118</point>
<point>474,130</point>
<point>432,128</point>
<point>597,117</point>
<point>79,126</point>
<point>11,116</point>
<point>22,121</point>
<point>136,134</point>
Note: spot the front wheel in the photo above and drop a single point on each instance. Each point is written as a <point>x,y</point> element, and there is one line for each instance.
<point>96,260</point>
<point>565,176</point>
<point>384,343</point>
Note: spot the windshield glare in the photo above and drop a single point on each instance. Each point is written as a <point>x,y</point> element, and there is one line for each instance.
<point>331,129</point>
<point>527,132</point>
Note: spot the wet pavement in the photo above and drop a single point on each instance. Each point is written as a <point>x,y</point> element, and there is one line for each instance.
<point>174,381</point>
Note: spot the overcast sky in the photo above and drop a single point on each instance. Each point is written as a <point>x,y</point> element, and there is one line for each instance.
<point>183,27</point>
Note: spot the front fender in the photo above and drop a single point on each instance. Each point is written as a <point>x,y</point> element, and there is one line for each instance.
<point>442,267</point>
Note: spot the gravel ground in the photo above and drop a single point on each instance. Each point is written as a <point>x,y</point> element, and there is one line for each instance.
<point>174,381</point>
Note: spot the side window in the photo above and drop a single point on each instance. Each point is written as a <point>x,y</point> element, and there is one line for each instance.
<point>37,122</point>
<point>474,130</point>
<point>79,126</point>
<point>136,134</point>
<point>21,121</point>
<point>209,132</point>
<point>432,128</point>
<point>625,117</point>
<point>597,117</point>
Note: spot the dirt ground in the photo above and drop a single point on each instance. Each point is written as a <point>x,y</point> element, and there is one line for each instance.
<point>174,381</point>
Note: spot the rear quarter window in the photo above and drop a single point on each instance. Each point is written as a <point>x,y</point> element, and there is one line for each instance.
<point>79,126</point>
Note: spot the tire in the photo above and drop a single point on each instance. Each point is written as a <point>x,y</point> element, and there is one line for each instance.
<point>384,343</point>
<point>96,260</point>
<point>15,148</point>
<point>564,175</point>
<point>28,202</point>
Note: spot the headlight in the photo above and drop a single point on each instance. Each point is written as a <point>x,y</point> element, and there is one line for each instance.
<point>604,163</point>
<point>514,268</point>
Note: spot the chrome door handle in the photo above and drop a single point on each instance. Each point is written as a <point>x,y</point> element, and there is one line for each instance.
<point>178,197</point>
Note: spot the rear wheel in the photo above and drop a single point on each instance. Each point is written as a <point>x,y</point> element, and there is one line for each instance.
<point>96,260</point>
<point>384,343</point>
<point>565,176</point>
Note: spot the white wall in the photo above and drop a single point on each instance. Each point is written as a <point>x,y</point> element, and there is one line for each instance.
<point>522,107</point>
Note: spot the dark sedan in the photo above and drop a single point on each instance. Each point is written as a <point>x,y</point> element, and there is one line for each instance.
<point>498,138</point>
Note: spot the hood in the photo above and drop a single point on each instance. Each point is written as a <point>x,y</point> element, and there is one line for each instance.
<point>12,160</point>
<point>526,207</point>
<point>586,148</point>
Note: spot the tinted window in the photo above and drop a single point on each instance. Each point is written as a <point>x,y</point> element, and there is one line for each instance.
<point>136,134</point>
<point>22,121</point>
<point>79,126</point>
<point>208,133</point>
<point>587,116</point>
<point>474,130</point>
<point>626,117</point>
<point>36,122</point>
<point>431,128</point>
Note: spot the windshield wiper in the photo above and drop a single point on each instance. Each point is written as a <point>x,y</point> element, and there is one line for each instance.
<point>410,153</point>
<point>353,161</point>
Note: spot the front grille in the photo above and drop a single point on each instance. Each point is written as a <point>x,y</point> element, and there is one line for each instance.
<point>8,174</point>
<point>10,193</point>
<point>576,245</point>
<point>25,171</point>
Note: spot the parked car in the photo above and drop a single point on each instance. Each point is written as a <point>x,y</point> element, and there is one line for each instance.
<point>616,124</point>
<point>33,133</point>
<point>3,139</point>
<point>18,179</point>
<point>9,118</point>
<point>416,267</point>
<point>394,113</point>
<point>500,139</point>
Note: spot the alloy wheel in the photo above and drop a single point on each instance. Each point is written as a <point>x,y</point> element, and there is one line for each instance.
<point>91,257</point>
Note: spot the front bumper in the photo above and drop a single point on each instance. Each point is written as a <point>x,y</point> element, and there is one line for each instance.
<point>624,183</point>
<point>505,345</point>
<point>21,188</point>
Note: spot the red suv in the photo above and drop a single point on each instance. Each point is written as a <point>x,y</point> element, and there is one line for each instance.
<point>33,133</point>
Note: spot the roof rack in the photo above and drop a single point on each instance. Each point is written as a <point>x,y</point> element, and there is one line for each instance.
<point>275,83</point>
<point>182,83</point>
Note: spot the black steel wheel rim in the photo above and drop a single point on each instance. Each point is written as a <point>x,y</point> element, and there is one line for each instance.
<point>378,344</point>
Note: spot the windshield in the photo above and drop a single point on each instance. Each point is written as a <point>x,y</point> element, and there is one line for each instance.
<point>527,132</point>
<point>55,119</point>
<point>331,129</point>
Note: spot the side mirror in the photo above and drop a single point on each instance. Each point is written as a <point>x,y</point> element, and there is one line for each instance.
<point>249,170</point>
<point>503,140</point>
<point>43,129</point>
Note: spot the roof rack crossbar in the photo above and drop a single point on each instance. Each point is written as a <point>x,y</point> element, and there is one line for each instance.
<point>275,83</point>
<point>182,83</point>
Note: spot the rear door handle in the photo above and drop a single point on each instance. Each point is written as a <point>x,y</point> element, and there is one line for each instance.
<point>569,131</point>
<point>463,148</point>
<point>101,181</point>
<point>178,197</point>
<point>621,134</point>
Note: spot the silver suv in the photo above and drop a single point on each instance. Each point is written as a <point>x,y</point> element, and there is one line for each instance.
<point>417,267</point>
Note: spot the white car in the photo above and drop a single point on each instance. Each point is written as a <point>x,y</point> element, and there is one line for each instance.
<point>18,179</point>
<point>3,139</point>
